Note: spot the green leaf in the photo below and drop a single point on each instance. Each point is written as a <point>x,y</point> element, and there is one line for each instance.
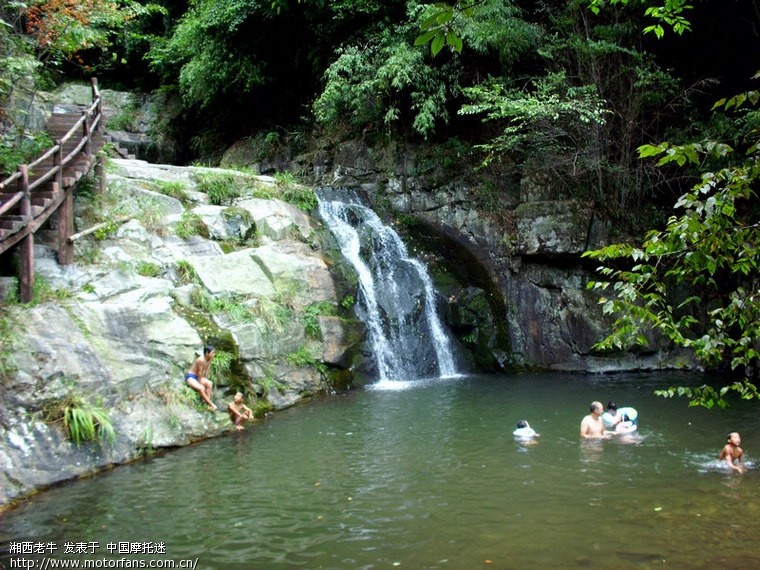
<point>454,41</point>
<point>437,44</point>
<point>425,38</point>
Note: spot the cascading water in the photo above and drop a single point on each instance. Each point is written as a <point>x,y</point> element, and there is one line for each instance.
<point>396,296</point>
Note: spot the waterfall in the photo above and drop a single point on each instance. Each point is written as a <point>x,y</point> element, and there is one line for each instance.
<point>396,296</point>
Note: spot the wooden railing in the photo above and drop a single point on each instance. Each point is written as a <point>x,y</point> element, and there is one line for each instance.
<point>45,186</point>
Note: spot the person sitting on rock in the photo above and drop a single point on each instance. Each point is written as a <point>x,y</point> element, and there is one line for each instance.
<point>239,412</point>
<point>197,377</point>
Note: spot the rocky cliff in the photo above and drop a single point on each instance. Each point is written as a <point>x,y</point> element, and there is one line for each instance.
<point>503,245</point>
<point>169,272</point>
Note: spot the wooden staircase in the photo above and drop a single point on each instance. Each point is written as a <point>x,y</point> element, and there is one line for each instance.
<point>57,127</point>
<point>45,186</point>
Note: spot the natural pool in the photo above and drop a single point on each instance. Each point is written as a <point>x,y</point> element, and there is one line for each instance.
<point>428,475</point>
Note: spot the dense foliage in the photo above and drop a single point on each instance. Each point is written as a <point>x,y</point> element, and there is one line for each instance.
<point>386,80</point>
<point>696,281</point>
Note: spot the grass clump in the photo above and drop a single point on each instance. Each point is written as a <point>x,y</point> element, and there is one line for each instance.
<point>8,339</point>
<point>268,385</point>
<point>221,188</point>
<point>190,225</point>
<point>303,358</point>
<point>81,420</point>
<point>148,269</point>
<point>236,309</point>
<point>176,190</point>
<point>221,366</point>
<point>107,230</point>
<point>127,119</point>
<point>287,189</point>
<point>186,273</point>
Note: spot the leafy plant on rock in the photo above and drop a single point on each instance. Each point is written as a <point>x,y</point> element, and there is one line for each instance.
<point>221,188</point>
<point>186,273</point>
<point>81,420</point>
<point>311,317</point>
<point>148,269</point>
<point>190,225</point>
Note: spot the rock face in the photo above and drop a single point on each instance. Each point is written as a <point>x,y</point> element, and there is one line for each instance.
<point>117,330</point>
<point>505,250</point>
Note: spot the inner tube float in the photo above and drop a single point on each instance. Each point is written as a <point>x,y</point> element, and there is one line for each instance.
<point>628,415</point>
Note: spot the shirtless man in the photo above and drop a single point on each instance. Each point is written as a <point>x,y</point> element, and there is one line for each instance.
<point>731,453</point>
<point>197,378</point>
<point>239,412</point>
<point>592,426</point>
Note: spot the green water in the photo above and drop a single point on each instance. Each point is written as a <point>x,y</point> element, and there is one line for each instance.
<point>431,477</point>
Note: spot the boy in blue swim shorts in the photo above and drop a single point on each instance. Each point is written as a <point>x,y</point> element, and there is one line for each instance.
<point>197,377</point>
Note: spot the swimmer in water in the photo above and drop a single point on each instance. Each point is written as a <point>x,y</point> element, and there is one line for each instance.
<point>615,416</point>
<point>524,431</point>
<point>732,453</point>
<point>592,426</point>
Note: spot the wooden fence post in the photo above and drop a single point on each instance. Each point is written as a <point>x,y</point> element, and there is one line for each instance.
<point>26,250</point>
<point>65,211</point>
<point>100,170</point>
<point>100,174</point>
<point>95,92</point>
<point>87,135</point>
<point>58,163</point>
<point>65,229</point>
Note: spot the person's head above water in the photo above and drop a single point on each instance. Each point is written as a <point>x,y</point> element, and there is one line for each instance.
<point>611,406</point>
<point>733,438</point>
<point>522,424</point>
